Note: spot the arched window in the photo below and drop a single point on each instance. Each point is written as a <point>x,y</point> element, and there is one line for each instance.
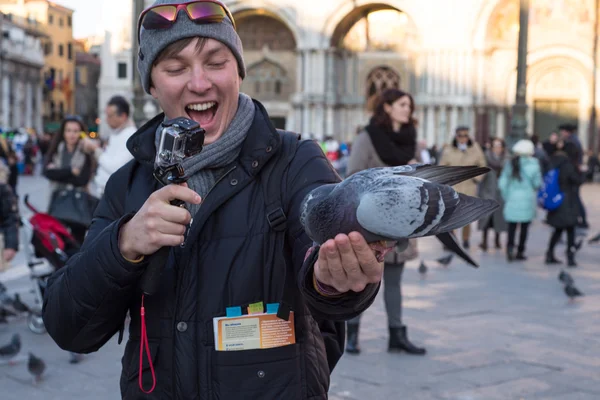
<point>258,31</point>
<point>269,80</point>
<point>383,30</point>
<point>381,78</point>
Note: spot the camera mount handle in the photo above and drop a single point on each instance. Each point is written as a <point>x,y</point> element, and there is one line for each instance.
<point>150,280</point>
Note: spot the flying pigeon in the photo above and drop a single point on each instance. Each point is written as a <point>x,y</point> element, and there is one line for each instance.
<point>422,268</point>
<point>445,260</point>
<point>393,204</point>
<point>36,367</point>
<point>565,278</point>
<point>595,239</point>
<point>572,291</point>
<point>10,350</point>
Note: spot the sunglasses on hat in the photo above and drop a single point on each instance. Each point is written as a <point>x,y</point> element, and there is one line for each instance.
<point>163,16</point>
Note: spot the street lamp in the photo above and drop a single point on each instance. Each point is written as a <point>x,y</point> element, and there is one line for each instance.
<point>518,125</point>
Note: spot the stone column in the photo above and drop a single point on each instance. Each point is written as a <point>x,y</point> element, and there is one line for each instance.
<point>453,119</point>
<point>17,106</point>
<point>28,123</point>
<point>299,71</point>
<point>500,122</point>
<point>5,103</point>
<point>430,126</point>
<point>39,107</point>
<point>429,72</point>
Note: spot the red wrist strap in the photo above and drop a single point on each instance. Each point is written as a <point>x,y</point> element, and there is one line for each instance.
<point>144,344</point>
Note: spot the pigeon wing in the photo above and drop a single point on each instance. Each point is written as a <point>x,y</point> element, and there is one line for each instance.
<point>444,175</point>
<point>408,208</point>
<point>401,207</point>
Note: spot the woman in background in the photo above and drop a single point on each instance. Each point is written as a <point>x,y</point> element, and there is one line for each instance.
<point>390,139</point>
<point>519,182</point>
<point>67,165</point>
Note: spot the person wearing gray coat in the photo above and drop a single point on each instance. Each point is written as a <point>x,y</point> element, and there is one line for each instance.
<point>390,139</point>
<point>488,189</point>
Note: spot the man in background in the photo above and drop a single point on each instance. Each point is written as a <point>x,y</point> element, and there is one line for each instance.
<point>115,154</point>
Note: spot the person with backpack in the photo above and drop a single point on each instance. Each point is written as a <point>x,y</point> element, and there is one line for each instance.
<point>520,179</point>
<point>564,217</point>
<point>245,246</point>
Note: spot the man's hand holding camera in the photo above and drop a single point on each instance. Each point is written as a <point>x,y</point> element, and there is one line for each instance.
<point>157,223</point>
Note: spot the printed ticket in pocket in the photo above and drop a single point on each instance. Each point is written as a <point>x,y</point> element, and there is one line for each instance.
<point>256,331</point>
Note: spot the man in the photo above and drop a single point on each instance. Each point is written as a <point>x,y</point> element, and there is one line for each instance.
<point>9,217</point>
<point>115,154</point>
<point>229,257</point>
<point>462,152</point>
<point>568,133</point>
<point>8,155</point>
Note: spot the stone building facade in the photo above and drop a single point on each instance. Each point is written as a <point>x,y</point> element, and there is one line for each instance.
<point>21,63</point>
<point>316,64</point>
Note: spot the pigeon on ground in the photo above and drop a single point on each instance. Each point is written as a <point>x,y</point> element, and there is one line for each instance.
<point>422,268</point>
<point>394,204</point>
<point>595,239</point>
<point>572,291</point>
<point>19,305</point>
<point>36,367</point>
<point>10,350</point>
<point>565,278</point>
<point>446,259</point>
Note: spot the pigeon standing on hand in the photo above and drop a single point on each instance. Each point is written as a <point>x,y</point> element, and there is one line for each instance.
<point>10,350</point>
<point>394,204</point>
<point>36,367</point>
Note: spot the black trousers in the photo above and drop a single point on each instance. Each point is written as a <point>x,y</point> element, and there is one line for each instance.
<point>556,237</point>
<point>512,232</point>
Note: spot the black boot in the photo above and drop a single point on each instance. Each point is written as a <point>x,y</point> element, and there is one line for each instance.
<point>550,259</point>
<point>352,346</point>
<point>571,258</point>
<point>399,342</point>
<point>484,243</point>
<point>521,255</point>
<point>509,254</point>
<point>498,246</point>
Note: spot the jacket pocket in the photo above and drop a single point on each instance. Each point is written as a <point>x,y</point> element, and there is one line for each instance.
<point>265,374</point>
<point>130,388</point>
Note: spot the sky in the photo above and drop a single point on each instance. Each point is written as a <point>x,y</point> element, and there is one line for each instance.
<point>92,17</point>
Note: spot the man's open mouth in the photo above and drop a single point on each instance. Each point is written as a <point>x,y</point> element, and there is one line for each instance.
<point>202,113</point>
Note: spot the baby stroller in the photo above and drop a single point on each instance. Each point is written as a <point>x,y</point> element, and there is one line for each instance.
<point>49,244</point>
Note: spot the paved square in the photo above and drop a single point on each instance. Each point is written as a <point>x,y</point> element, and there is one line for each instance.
<point>504,331</point>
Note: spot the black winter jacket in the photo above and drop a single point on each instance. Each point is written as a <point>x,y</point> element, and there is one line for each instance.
<point>230,259</point>
<point>569,180</point>
<point>9,217</point>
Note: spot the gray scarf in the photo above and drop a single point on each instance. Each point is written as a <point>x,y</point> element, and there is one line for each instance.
<point>77,161</point>
<point>205,168</point>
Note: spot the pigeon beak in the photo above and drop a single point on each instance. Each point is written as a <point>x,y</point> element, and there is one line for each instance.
<point>449,240</point>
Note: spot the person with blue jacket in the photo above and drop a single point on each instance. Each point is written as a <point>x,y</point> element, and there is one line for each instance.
<point>519,182</point>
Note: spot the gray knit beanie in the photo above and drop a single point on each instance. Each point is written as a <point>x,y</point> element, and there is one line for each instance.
<point>153,41</point>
